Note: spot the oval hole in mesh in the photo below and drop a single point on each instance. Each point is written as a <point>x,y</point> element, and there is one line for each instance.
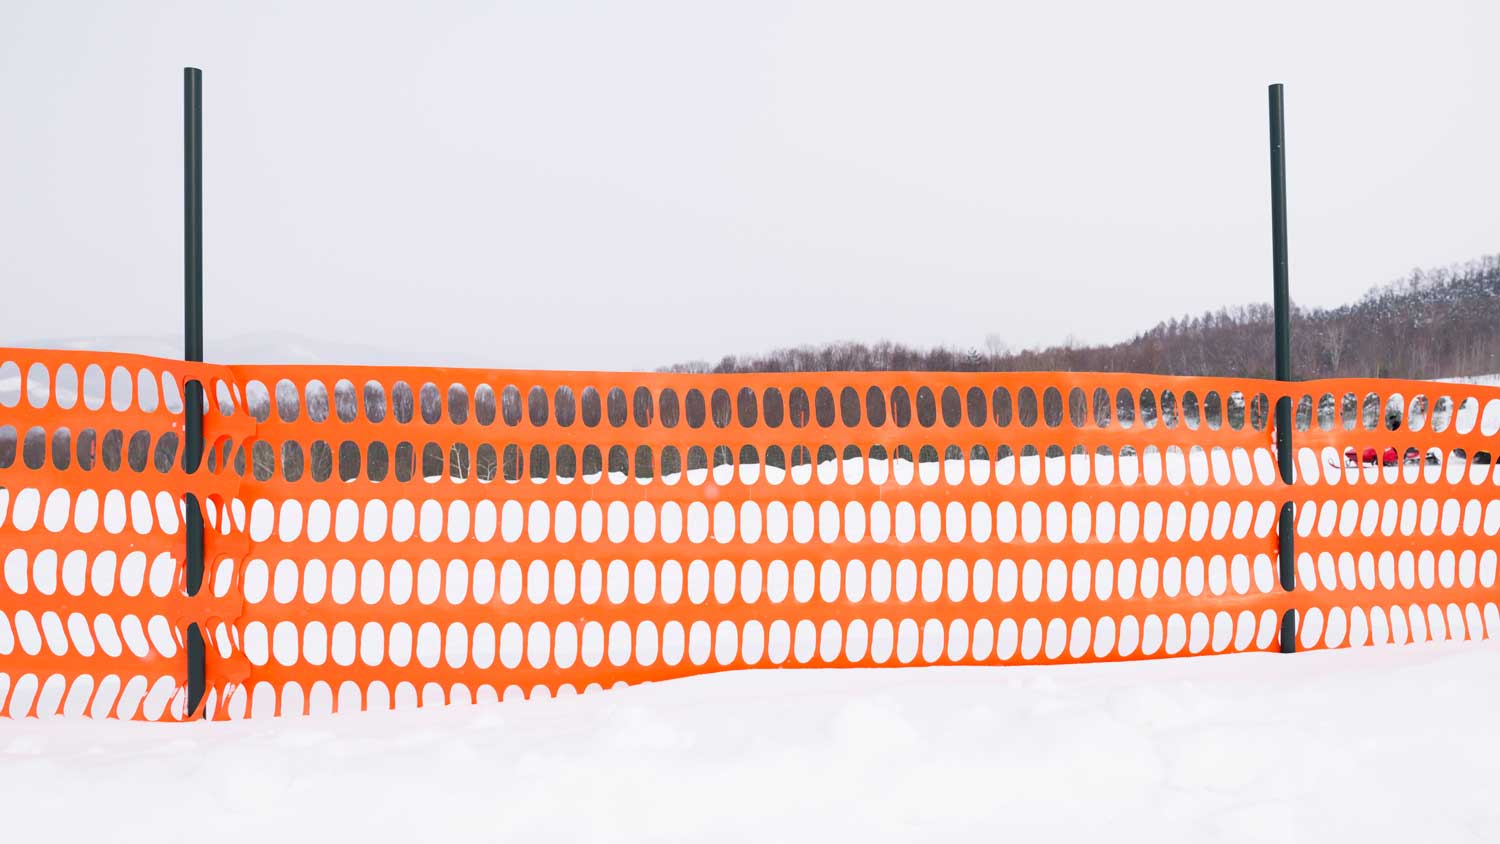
<point>345,402</point>
<point>875,406</point>
<point>564,406</point>
<point>458,404</point>
<point>697,411</point>
<point>375,401</point>
<point>745,407</point>
<point>536,406</point>
<point>1002,406</point>
<point>670,407</point>
<point>774,407</point>
<point>403,402</point>
<point>798,408</point>
<point>590,407</point>
<point>432,403</point>
<point>952,407</point>
<point>720,406</point>
<point>926,407</point>
<point>642,407</point>
<point>1026,407</point>
<point>616,407</point>
<point>317,401</point>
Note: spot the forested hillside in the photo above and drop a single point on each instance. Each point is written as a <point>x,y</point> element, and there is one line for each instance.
<point>1431,324</point>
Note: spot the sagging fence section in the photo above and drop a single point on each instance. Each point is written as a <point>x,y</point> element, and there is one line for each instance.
<point>399,536</point>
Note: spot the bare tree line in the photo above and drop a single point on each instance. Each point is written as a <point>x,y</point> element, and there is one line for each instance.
<point>1431,324</point>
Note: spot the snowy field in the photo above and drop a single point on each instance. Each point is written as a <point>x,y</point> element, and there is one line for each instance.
<point>1477,380</point>
<point>1376,744</point>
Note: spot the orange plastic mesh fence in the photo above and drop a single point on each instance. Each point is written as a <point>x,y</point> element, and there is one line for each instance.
<point>400,536</point>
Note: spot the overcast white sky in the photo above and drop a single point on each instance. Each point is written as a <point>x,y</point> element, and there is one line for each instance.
<point>588,185</point>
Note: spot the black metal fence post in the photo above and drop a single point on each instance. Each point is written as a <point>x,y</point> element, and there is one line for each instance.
<point>193,398</point>
<point>1286,525</point>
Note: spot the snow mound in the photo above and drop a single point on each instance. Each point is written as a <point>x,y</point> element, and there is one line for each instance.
<point>1476,380</point>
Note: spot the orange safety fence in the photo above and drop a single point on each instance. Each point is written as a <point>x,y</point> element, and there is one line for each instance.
<point>394,536</point>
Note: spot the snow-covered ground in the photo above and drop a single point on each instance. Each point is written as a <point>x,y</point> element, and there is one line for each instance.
<point>1375,744</point>
<point>1478,380</point>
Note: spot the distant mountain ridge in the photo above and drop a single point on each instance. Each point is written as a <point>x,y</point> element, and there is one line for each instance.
<point>1431,324</point>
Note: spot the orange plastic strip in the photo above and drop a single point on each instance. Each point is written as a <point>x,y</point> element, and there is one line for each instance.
<point>405,536</point>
